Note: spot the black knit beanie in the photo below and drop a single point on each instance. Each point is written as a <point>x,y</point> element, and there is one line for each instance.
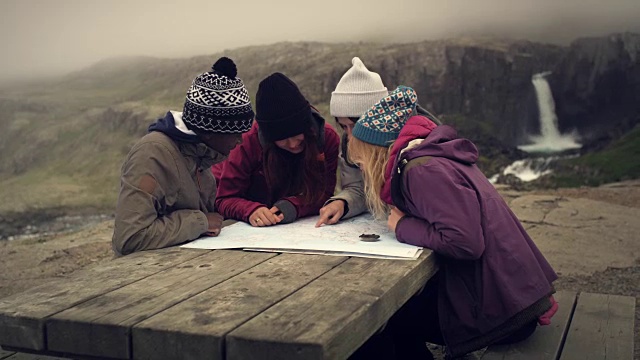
<point>218,102</point>
<point>281,109</point>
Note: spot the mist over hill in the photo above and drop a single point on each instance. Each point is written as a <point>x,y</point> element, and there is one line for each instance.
<point>65,138</point>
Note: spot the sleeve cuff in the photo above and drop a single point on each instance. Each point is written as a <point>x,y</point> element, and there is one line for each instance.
<point>200,223</point>
<point>288,210</point>
<point>399,225</point>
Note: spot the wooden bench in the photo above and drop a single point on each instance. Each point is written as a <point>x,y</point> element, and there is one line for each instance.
<point>586,327</point>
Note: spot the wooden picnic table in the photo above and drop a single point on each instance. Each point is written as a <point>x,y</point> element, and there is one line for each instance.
<point>215,304</point>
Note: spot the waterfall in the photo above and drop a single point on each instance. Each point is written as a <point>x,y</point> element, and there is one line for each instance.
<point>548,143</point>
<point>529,169</point>
<point>546,107</point>
<point>550,140</point>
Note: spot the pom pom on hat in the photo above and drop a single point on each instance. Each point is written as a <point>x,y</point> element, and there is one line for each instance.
<point>226,67</point>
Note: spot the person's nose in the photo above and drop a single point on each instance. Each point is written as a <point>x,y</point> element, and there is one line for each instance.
<point>294,144</point>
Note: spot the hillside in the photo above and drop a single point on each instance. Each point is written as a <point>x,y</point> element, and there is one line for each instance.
<point>64,139</point>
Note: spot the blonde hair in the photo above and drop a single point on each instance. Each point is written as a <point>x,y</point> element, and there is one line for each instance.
<point>372,160</point>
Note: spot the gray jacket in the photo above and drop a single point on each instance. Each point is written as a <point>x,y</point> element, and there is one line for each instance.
<point>166,190</point>
<point>351,184</point>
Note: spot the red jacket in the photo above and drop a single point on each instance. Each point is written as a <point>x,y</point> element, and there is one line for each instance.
<point>242,186</point>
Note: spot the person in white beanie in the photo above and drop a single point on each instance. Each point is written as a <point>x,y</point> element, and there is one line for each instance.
<point>356,92</point>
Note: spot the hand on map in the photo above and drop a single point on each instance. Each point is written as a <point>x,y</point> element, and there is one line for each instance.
<point>215,224</point>
<point>265,217</point>
<point>331,213</point>
<point>394,217</point>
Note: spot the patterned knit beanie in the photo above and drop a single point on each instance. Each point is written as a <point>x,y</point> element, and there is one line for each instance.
<point>281,109</point>
<point>218,102</point>
<point>356,91</point>
<point>382,123</point>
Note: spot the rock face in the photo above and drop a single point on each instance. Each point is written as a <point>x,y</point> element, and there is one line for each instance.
<point>576,235</point>
<point>487,81</point>
<point>597,86</point>
<point>595,81</point>
<point>483,82</point>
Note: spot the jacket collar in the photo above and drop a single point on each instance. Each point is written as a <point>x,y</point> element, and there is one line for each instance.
<point>417,127</point>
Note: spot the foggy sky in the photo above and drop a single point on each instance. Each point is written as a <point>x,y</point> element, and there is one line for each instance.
<point>39,37</point>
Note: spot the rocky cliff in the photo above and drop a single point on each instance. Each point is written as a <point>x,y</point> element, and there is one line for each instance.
<point>483,80</point>
<point>596,87</point>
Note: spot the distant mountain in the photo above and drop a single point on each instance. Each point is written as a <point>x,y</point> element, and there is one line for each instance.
<point>63,140</point>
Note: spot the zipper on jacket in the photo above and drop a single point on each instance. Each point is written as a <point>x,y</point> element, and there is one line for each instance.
<point>198,171</point>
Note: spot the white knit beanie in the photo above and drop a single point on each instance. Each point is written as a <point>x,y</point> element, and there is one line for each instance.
<point>357,91</point>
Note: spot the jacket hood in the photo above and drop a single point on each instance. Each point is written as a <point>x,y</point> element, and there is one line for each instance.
<point>187,141</point>
<point>417,127</point>
<point>444,142</point>
<point>173,126</point>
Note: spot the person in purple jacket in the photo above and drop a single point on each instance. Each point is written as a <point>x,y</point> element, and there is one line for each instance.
<point>493,285</point>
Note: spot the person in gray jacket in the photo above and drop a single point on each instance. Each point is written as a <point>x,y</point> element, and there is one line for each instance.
<point>356,92</point>
<point>167,191</point>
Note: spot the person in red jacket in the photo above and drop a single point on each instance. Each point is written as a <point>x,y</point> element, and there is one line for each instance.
<point>285,167</point>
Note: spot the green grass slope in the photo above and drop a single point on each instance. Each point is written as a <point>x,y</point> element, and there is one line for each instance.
<point>617,162</point>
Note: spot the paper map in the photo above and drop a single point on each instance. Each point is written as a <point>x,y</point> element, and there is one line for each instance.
<point>302,236</point>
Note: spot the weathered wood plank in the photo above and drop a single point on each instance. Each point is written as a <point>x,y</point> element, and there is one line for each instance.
<point>101,326</point>
<point>23,315</point>
<point>5,354</point>
<point>25,356</point>
<point>546,342</point>
<point>601,328</point>
<point>335,314</point>
<point>195,328</point>
<point>40,354</point>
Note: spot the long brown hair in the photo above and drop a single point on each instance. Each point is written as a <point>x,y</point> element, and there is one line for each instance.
<point>301,174</point>
<point>372,161</point>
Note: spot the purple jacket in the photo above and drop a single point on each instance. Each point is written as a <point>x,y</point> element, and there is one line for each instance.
<point>493,278</point>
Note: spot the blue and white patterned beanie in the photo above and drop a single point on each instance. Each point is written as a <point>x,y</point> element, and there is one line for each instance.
<point>218,102</point>
<point>381,124</point>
